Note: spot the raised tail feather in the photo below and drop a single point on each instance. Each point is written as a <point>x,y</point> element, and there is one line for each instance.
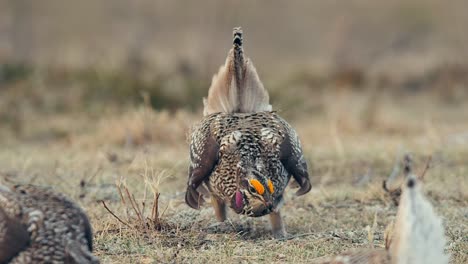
<point>236,88</point>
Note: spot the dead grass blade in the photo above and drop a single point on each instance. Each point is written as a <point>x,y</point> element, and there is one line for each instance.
<point>114,215</point>
<point>135,211</point>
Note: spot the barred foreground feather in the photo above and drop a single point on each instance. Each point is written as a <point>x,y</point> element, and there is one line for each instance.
<point>38,225</point>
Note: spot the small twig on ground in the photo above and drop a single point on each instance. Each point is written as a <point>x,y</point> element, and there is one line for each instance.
<point>388,234</point>
<point>114,215</point>
<point>164,211</point>
<point>426,168</point>
<point>119,188</point>
<point>155,211</point>
<point>129,196</point>
<point>135,210</point>
<point>138,210</point>
<point>371,230</point>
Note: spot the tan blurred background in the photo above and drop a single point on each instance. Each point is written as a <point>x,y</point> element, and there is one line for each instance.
<point>162,34</point>
<point>59,57</point>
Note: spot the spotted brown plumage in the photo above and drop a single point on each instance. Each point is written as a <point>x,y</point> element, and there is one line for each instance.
<point>38,225</point>
<point>261,144</point>
<point>242,151</point>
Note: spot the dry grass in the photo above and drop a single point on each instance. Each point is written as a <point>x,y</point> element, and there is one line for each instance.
<point>95,163</point>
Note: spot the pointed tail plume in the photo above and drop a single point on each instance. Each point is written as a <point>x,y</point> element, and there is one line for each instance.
<point>236,88</point>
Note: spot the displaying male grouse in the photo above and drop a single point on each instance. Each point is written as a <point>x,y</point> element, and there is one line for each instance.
<point>242,151</point>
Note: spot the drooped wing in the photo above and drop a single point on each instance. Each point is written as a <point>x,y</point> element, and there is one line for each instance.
<point>14,237</point>
<point>293,160</point>
<point>203,157</point>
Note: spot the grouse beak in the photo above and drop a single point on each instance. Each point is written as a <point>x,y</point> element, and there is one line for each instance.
<point>268,206</point>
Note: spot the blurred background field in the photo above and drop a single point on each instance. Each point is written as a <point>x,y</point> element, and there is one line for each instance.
<point>95,57</point>
<point>98,92</point>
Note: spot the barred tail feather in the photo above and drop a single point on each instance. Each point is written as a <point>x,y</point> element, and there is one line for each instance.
<point>236,88</point>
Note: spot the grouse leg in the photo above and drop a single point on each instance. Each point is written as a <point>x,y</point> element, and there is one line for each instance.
<point>277,225</point>
<point>219,208</point>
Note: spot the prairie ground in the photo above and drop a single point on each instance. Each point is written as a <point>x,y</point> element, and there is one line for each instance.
<point>352,144</point>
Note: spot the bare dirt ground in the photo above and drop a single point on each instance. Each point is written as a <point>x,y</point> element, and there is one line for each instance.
<point>96,159</point>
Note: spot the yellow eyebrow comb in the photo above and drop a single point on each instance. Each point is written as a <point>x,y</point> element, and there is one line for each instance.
<point>270,186</point>
<point>258,186</point>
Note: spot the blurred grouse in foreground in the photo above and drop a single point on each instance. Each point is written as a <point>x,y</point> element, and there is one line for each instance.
<point>38,225</point>
<point>418,234</point>
<point>242,151</point>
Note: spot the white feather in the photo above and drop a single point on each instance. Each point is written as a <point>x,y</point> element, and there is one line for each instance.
<point>419,237</point>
